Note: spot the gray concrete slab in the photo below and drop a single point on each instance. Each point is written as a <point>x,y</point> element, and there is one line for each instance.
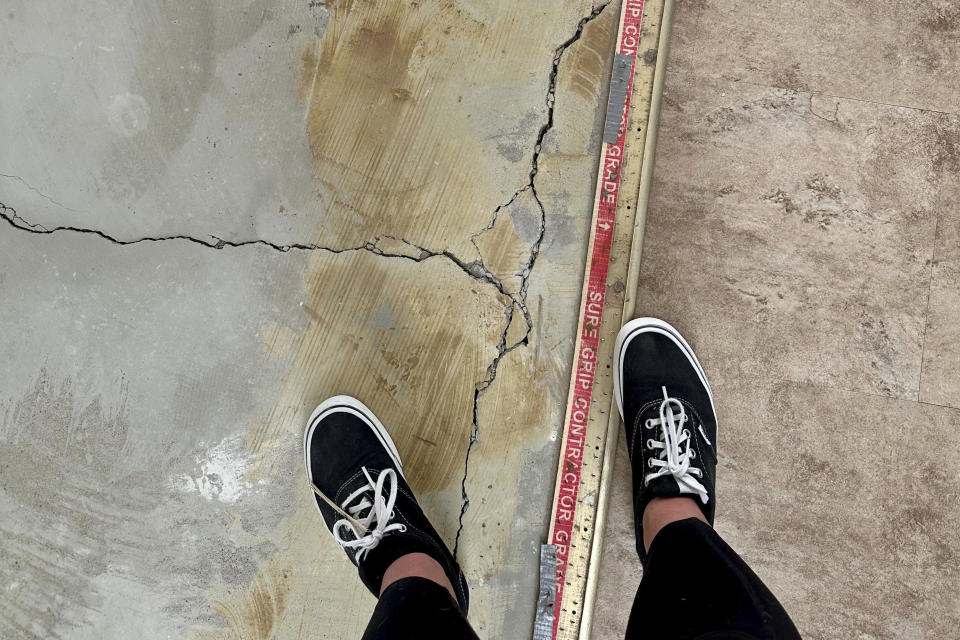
<point>152,120</point>
<point>213,217</point>
<point>125,377</point>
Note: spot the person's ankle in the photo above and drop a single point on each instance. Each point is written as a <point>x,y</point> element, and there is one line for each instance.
<point>660,512</point>
<point>416,565</point>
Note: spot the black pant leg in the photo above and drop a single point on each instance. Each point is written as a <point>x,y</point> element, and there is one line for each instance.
<point>695,587</point>
<point>417,609</point>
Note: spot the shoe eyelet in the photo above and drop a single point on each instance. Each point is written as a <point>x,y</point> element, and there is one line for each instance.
<point>693,455</point>
<point>649,443</point>
<point>649,423</point>
<point>650,462</point>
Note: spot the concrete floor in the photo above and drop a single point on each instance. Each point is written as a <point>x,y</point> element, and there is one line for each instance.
<point>804,234</point>
<point>262,205</point>
<point>216,215</point>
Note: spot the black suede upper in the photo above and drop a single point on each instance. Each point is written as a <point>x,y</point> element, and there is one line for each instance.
<point>651,362</point>
<point>341,447</point>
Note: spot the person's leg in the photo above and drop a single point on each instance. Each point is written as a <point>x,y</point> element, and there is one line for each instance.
<point>365,502</point>
<point>694,586</point>
<point>415,608</point>
<point>416,565</point>
<point>662,511</point>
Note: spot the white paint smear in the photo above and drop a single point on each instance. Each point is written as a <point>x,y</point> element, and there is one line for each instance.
<point>222,472</point>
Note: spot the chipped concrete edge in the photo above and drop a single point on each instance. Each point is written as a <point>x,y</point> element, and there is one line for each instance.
<point>519,300</point>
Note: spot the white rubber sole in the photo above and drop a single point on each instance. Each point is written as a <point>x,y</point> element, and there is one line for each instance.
<point>645,325</point>
<point>353,406</point>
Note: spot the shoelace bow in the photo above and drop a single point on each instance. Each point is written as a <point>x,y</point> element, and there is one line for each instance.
<point>370,527</point>
<point>674,458</point>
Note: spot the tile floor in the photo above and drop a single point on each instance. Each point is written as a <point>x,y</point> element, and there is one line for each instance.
<point>804,234</point>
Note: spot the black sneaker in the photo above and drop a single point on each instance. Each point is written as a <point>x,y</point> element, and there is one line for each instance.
<point>372,512</point>
<point>667,410</point>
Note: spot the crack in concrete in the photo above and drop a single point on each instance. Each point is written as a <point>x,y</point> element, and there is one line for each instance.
<point>475,269</point>
<point>9,214</point>
<point>493,220</point>
<point>520,299</point>
<point>38,192</point>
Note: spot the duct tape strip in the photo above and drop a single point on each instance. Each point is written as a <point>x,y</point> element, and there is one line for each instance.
<point>547,600</point>
<point>619,81</point>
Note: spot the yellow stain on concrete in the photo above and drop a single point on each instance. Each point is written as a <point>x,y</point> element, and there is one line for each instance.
<point>391,97</point>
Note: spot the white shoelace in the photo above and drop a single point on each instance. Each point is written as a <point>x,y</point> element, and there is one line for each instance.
<point>370,527</point>
<point>674,458</point>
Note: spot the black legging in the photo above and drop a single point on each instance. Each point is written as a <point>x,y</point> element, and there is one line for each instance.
<point>694,587</point>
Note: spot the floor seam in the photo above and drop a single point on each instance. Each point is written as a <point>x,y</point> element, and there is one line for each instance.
<point>827,387</point>
<point>933,265</point>
<point>926,310</point>
<point>825,94</point>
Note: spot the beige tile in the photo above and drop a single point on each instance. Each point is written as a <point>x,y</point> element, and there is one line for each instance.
<point>940,382</point>
<point>902,53</point>
<point>845,504</point>
<point>791,235</point>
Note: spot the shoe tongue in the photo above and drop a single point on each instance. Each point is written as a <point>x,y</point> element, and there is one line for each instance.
<point>653,409</point>
<point>356,483</point>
